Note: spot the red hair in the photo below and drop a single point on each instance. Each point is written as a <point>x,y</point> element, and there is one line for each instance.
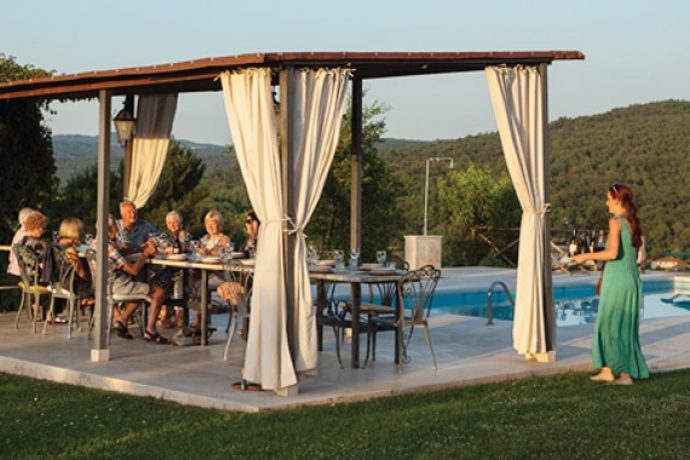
<point>624,194</point>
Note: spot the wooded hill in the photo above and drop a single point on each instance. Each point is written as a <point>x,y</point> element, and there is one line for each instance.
<point>645,145</point>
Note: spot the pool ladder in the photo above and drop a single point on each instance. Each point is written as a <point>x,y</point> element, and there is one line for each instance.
<point>490,300</point>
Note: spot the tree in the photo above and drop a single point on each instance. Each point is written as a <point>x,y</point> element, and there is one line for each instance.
<point>26,145</point>
<point>470,199</point>
<point>80,195</point>
<point>329,228</point>
<point>178,188</point>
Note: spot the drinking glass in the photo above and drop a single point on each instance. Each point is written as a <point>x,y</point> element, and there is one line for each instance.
<point>381,257</point>
<point>194,245</point>
<point>354,258</point>
<point>88,239</point>
<point>313,255</point>
<point>338,255</point>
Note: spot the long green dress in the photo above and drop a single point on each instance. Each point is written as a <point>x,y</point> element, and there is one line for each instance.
<point>616,330</point>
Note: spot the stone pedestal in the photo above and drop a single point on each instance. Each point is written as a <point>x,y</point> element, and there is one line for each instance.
<point>423,250</point>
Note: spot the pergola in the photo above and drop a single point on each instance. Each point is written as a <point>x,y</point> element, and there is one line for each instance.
<point>529,168</point>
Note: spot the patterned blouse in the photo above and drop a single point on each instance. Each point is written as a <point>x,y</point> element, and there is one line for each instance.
<point>214,245</point>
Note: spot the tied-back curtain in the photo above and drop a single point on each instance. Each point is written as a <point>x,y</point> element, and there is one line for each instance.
<point>317,110</point>
<point>518,95</point>
<point>249,108</point>
<point>155,115</point>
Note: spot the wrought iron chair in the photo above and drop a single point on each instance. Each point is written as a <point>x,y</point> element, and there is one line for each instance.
<point>30,273</point>
<point>415,296</point>
<point>338,315</point>
<point>63,288</point>
<point>241,280</point>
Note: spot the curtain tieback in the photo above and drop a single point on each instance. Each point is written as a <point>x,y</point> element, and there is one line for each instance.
<point>296,229</point>
<point>546,209</point>
<point>293,229</point>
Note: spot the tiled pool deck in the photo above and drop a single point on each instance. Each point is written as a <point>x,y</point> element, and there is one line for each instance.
<point>468,352</point>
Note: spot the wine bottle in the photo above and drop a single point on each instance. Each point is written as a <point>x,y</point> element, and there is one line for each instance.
<point>572,246</point>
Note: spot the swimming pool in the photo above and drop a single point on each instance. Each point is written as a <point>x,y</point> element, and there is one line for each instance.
<point>574,304</point>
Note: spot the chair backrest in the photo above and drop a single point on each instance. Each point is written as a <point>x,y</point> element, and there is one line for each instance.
<point>64,269</point>
<point>29,265</point>
<point>243,275</point>
<point>416,290</point>
<point>386,293</point>
<point>91,259</point>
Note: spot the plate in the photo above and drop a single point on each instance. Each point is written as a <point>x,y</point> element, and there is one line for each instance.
<point>371,266</point>
<point>210,260</point>
<point>237,255</point>
<point>320,269</point>
<point>176,257</point>
<point>384,271</point>
<point>247,261</point>
<point>324,262</point>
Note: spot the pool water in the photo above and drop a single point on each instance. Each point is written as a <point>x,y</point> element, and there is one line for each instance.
<point>573,305</point>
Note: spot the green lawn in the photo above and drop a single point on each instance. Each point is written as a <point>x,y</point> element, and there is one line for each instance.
<point>564,416</point>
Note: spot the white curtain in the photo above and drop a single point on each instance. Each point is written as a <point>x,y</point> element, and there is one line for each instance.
<point>518,95</point>
<point>317,110</point>
<point>155,115</point>
<point>249,107</point>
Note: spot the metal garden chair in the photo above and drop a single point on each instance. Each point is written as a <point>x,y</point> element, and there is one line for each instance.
<point>239,290</point>
<point>415,297</point>
<point>30,273</point>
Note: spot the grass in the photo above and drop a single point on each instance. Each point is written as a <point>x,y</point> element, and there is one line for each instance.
<point>563,416</point>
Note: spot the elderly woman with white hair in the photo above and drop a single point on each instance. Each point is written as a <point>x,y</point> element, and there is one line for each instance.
<point>175,233</point>
<point>13,267</point>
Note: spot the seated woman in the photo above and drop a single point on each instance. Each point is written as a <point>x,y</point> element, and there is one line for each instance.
<point>211,244</point>
<point>215,241</point>
<point>174,240</point>
<point>175,233</point>
<point>70,234</point>
<point>34,227</point>
<point>122,282</point>
<point>13,266</point>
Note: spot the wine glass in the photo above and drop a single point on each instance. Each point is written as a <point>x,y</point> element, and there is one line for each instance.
<point>88,239</point>
<point>313,255</point>
<point>338,255</point>
<point>381,257</point>
<point>354,258</point>
<point>194,245</point>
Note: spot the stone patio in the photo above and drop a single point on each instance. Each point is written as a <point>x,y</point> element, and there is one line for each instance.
<point>468,352</point>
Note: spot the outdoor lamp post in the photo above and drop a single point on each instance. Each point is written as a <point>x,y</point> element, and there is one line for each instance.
<point>124,126</point>
<point>426,185</point>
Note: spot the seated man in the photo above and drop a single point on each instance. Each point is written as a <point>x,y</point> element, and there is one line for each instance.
<point>122,282</point>
<point>132,232</point>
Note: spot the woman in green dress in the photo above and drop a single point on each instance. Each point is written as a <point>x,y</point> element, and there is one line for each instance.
<point>616,348</point>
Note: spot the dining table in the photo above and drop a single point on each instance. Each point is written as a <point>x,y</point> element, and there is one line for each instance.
<point>355,278</point>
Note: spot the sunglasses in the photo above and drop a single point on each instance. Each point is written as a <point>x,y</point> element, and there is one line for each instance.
<point>249,221</point>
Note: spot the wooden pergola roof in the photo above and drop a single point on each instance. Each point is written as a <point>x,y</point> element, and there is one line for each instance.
<point>200,74</point>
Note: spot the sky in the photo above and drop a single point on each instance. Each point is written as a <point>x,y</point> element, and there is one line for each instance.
<point>635,51</point>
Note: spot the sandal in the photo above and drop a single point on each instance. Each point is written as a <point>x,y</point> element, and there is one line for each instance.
<point>122,331</point>
<point>243,385</point>
<point>155,337</point>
